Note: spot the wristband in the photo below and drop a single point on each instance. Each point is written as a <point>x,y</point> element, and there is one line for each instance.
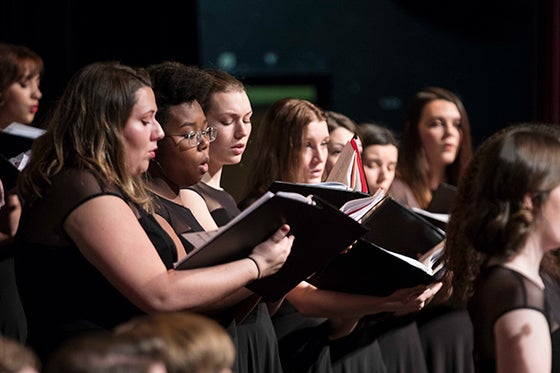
<point>257,265</point>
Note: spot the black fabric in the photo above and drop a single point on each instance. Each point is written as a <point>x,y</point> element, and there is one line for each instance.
<point>63,294</point>
<point>401,346</point>
<point>179,217</point>
<point>13,323</point>
<point>497,291</point>
<point>358,352</point>
<point>257,343</point>
<point>221,204</point>
<point>552,293</point>
<point>254,338</point>
<point>447,339</point>
<point>302,341</point>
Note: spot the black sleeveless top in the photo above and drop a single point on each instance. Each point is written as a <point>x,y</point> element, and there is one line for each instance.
<point>221,204</point>
<point>179,217</point>
<point>499,290</point>
<point>63,294</point>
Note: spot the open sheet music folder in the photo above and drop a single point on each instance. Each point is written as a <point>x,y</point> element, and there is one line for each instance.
<point>335,193</point>
<point>15,142</point>
<point>372,270</point>
<point>395,227</point>
<point>321,231</point>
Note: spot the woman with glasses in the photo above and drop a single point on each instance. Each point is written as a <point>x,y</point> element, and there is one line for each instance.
<point>227,107</point>
<point>181,161</point>
<point>90,252</point>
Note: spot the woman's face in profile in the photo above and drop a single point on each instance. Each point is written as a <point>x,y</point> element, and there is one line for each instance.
<point>314,152</point>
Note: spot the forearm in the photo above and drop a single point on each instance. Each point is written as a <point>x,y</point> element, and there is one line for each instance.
<point>202,290</point>
<point>313,302</point>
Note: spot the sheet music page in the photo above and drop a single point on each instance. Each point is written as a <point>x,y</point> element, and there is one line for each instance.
<point>198,239</point>
<point>23,130</point>
<point>358,207</point>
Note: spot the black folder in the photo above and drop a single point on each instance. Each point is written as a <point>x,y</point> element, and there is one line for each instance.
<point>8,173</point>
<point>14,140</point>
<point>369,269</point>
<point>336,194</point>
<point>321,232</point>
<point>395,227</point>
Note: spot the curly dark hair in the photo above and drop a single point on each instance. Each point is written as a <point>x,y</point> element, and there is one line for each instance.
<point>490,216</point>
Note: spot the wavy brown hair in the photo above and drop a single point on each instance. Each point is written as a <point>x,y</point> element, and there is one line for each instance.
<point>279,138</point>
<point>85,131</point>
<point>488,216</point>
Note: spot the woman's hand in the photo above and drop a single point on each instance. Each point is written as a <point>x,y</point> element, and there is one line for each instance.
<point>270,255</point>
<point>413,299</point>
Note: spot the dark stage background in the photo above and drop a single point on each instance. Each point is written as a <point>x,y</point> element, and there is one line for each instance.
<point>364,58</point>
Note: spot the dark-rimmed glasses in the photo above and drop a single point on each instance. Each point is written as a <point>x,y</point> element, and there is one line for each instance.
<point>192,139</point>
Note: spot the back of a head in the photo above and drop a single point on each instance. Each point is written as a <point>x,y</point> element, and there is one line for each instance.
<point>193,343</point>
<point>489,217</point>
<point>15,357</point>
<point>103,352</point>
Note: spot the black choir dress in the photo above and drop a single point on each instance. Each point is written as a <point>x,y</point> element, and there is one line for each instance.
<point>62,293</point>
<point>552,293</point>
<point>444,352</point>
<point>13,323</point>
<point>221,204</point>
<point>257,345</point>
<point>401,345</point>
<point>305,347</point>
<point>499,290</point>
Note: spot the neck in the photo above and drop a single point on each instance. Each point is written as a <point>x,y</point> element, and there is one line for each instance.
<point>437,176</point>
<point>162,186</point>
<point>527,261</point>
<point>214,176</point>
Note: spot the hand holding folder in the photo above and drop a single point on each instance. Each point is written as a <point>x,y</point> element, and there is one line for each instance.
<point>321,231</point>
<point>400,250</point>
<point>372,270</point>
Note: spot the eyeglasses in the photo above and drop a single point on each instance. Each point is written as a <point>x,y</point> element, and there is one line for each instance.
<point>193,138</point>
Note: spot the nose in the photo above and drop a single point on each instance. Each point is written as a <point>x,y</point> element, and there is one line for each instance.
<point>382,175</point>
<point>242,129</point>
<point>204,142</point>
<point>450,129</point>
<point>158,131</point>
<point>37,92</point>
<point>320,154</point>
